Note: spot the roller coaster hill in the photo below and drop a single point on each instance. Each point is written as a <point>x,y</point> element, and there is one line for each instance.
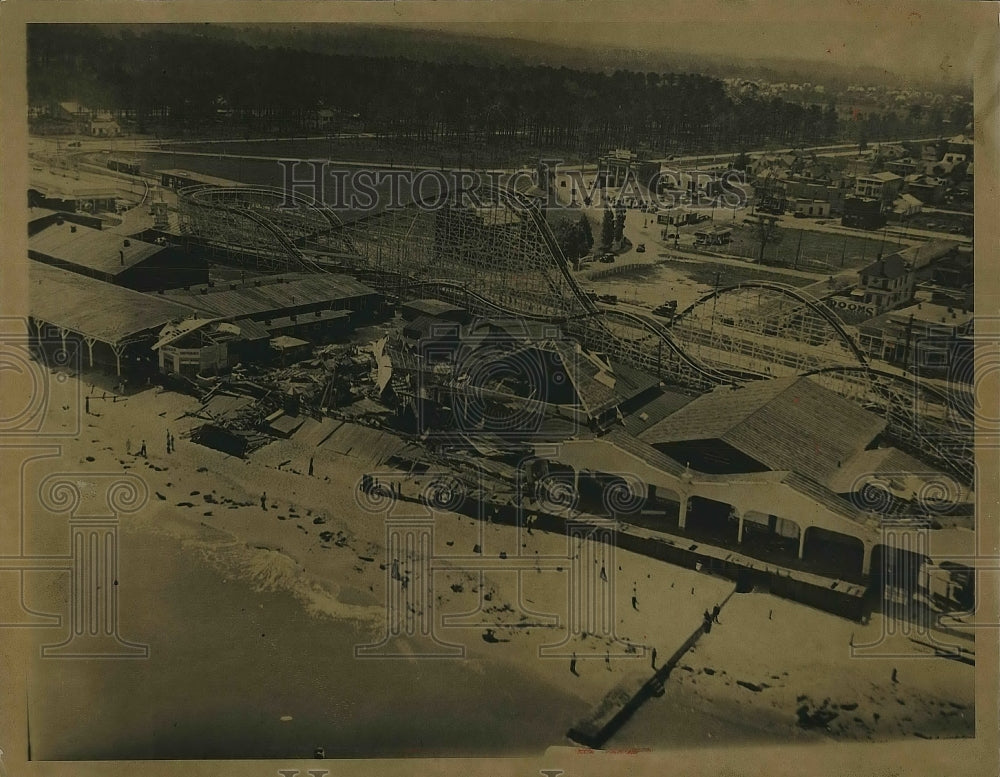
<point>490,251</point>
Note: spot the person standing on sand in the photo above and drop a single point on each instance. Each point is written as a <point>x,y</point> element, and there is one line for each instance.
<point>895,679</point>
<point>142,449</point>
<point>653,662</point>
<point>310,466</point>
<point>128,446</point>
<point>263,501</point>
<point>715,613</point>
<point>572,666</point>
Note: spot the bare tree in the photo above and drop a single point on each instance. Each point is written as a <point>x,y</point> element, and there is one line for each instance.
<point>766,231</point>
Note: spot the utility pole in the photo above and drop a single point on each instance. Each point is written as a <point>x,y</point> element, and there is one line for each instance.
<point>881,246</point>
<point>906,347</point>
<point>715,300</point>
<point>798,251</point>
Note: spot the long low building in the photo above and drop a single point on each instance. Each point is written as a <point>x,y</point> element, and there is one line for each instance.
<point>119,327</point>
<point>72,190</point>
<point>280,296</point>
<point>115,258</point>
<point>114,324</point>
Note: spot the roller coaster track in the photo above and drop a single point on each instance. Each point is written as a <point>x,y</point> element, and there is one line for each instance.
<point>707,376</point>
<point>582,325</point>
<point>654,347</point>
<point>947,439</point>
<point>811,302</point>
<point>211,201</point>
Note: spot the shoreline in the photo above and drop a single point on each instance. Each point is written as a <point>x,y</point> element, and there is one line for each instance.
<point>208,502</point>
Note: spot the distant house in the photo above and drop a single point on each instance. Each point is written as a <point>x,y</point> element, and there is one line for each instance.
<point>955,273</point>
<point>930,152</point>
<point>906,205</point>
<point>321,119</point>
<point>74,111</point>
<point>713,236</point>
<point>891,151</point>
<point>104,127</point>
<point>884,187</point>
<point>887,282</point>
<point>830,192</point>
<point>924,334</point>
<point>863,213</point>
<point>904,166</point>
<point>890,281</point>
<point>815,208</point>
<point>960,144</point>
<point>925,188</point>
<point>859,165</point>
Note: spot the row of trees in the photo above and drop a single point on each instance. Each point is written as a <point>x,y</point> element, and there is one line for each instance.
<point>575,237</point>
<point>612,227</point>
<point>180,80</point>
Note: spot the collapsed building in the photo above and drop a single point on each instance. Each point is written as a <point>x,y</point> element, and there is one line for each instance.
<point>781,478</point>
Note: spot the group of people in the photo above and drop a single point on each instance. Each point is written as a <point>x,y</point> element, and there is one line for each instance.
<point>171,446</point>
<point>711,617</point>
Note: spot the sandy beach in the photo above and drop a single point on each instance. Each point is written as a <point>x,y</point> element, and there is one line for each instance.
<point>205,569</point>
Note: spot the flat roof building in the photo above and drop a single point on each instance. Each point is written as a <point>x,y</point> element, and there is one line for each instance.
<point>114,258</point>
<point>279,296</point>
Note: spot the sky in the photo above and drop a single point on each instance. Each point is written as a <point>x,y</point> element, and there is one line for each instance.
<point>930,39</point>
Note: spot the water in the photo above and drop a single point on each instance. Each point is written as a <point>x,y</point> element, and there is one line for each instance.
<point>241,673</point>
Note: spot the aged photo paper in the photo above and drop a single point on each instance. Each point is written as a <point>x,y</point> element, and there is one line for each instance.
<point>504,388</point>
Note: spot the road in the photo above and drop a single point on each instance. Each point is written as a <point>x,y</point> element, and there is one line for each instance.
<point>136,144</point>
<point>841,149</point>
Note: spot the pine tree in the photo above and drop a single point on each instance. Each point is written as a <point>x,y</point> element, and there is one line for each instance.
<point>620,225</point>
<point>607,229</point>
<point>588,234</point>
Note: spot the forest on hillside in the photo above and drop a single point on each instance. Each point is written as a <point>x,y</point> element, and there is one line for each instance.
<point>182,83</point>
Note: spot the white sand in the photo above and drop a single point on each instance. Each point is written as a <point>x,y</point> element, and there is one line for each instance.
<point>798,652</point>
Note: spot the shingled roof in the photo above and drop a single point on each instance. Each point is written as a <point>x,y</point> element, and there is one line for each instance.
<point>789,424</point>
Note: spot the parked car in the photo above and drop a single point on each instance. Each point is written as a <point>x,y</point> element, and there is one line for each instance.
<point>608,258</point>
<point>608,299</point>
<point>641,248</point>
